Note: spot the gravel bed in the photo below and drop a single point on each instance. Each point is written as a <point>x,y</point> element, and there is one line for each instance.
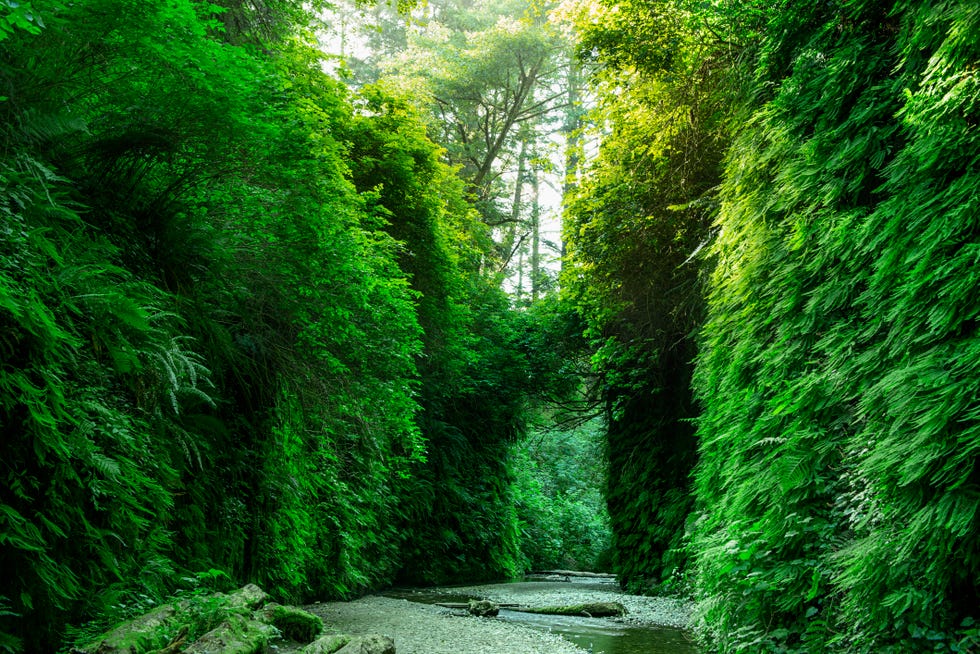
<point>663,611</point>
<point>424,629</point>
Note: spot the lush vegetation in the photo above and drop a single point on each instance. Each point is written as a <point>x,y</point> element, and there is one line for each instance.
<point>561,510</point>
<point>838,484</point>
<point>252,325</point>
<point>834,152</point>
<point>634,224</point>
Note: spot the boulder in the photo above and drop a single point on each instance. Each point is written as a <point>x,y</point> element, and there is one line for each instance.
<point>293,623</point>
<point>248,597</point>
<point>241,629</point>
<point>147,632</point>
<point>327,644</point>
<point>236,635</point>
<point>165,629</point>
<point>372,644</point>
<point>483,608</point>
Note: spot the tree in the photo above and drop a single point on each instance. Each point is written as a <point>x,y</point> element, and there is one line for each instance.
<point>635,222</point>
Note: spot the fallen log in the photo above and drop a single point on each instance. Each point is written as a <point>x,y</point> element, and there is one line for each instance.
<point>464,605</point>
<point>588,610</point>
<point>574,573</point>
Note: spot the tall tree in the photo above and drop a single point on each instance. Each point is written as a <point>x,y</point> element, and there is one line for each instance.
<point>634,224</point>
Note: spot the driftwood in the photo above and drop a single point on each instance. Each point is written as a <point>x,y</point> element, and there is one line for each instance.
<point>574,573</point>
<point>589,610</point>
<point>462,605</point>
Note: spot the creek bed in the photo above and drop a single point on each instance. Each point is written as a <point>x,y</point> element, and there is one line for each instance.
<point>653,625</point>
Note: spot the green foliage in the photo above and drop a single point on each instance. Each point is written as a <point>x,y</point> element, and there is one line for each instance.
<point>94,369</point>
<point>562,514</point>
<point>469,420</point>
<point>209,339</point>
<point>837,486</point>
<point>633,229</point>
<point>16,15</point>
<point>485,72</point>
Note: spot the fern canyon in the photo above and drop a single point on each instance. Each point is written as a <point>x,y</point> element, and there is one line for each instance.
<point>663,303</point>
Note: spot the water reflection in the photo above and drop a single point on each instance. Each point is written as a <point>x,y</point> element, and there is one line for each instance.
<point>604,636</point>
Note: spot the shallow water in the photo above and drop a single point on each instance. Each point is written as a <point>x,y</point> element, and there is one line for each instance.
<point>598,635</point>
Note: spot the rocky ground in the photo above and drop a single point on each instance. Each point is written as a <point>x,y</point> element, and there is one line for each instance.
<point>640,610</point>
<point>427,629</point>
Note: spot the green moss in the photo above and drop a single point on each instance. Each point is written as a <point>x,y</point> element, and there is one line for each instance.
<point>296,624</point>
<point>236,635</point>
<point>144,634</point>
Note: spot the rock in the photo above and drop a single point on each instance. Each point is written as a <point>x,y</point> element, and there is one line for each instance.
<point>372,644</point>
<point>483,608</point>
<point>165,629</point>
<point>327,644</point>
<point>147,632</point>
<point>249,597</point>
<point>293,623</point>
<point>236,635</point>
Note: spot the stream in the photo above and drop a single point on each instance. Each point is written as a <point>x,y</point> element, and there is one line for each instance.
<point>597,635</point>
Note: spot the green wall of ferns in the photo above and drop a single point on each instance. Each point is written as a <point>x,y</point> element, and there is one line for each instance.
<point>837,488</point>
<point>227,342</point>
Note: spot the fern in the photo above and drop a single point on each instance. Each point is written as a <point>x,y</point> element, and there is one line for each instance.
<point>840,337</point>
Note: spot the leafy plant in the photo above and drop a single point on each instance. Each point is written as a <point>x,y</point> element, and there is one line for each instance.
<point>562,514</point>
<point>833,488</point>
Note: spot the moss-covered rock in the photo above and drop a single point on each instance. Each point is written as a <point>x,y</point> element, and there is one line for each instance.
<point>148,632</point>
<point>371,644</point>
<point>236,635</point>
<point>248,597</point>
<point>293,623</point>
<point>163,627</point>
